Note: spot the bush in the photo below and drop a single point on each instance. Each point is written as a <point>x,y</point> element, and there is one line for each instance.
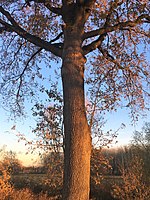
<point>5,186</point>
<point>133,185</point>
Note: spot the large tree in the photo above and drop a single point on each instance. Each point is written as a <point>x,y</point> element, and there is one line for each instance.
<point>100,42</point>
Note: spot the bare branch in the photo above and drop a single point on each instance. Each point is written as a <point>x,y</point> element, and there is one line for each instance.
<point>118,26</point>
<point>33,55</point>
<point>67,2</point>
<point>57,11</point>
<point>64,2</point>
<point>57,37</point>
<point>88,3</point>
<point>2,29</point>
<point>109,57</point>
<point>95,44</point>
<point>29,37</point>
<point>48,5</point>
<point>94,108</point>
<point>21,75</point>
<point>79,2</point>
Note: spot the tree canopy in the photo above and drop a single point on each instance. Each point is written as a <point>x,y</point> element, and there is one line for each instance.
<point>115,43</point>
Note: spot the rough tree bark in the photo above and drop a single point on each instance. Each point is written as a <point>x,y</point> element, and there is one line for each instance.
<point>77,133</point>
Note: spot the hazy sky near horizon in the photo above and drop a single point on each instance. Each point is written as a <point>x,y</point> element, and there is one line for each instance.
<point>8,136</point>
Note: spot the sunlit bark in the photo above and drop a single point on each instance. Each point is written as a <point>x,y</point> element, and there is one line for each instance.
<point>77,133</point>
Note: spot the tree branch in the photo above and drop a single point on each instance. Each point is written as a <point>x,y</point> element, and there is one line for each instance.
<point>55,10</point>
<point>64,2</point>
<point>33,55</point>
<point>47,4</point>
<point>109,57</point>
<point>121,26</point>
<point>95,44</point>
<point>21,75</point>
<point>14,27</point>
<point>3,28</point>
<point>88,3</point>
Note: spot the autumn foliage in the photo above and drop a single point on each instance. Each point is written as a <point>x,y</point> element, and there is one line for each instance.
<point>133,185</point>
<point>101,43</point>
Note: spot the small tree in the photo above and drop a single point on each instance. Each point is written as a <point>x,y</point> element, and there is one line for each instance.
<point>53,162</point>
<point>99,166</point>
<point>11,162</point>
<point>49,127</point>
<point>5,181</point>
<point>132,185</point>
<point>140,145</point>
<point>142,138</point>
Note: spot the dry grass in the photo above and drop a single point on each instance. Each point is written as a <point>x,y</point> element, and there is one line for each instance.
<point>128,187</point>
<point>8,192</point>
<point>24,194</point>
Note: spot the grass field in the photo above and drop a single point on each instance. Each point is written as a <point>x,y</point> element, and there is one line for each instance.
<point>37,184</point>
<point>36,187</point>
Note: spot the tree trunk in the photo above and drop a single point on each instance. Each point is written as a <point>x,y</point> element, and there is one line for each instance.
<point>77,133</point>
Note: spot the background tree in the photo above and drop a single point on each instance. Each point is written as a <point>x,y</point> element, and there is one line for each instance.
<point>142,138</point>
<point>5,184</point>
<point>10,162</point>
<point>53,162</point>
<point>141,147</point>
<point>49,126</point>
<point>133,185</point>
<point>106,34</point>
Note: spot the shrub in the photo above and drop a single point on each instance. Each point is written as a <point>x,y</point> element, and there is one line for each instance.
<point>5,186</point>
<point>133,185</point>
